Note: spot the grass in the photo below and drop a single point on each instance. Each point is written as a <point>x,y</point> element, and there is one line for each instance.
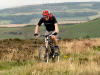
<point>6,65</point>
<point>96,48</point>
<point>78,57</point>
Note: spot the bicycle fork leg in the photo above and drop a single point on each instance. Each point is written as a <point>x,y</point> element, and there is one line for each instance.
<point>47,55</point>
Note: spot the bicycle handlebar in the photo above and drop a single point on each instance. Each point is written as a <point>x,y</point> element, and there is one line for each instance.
<point>50,34</point>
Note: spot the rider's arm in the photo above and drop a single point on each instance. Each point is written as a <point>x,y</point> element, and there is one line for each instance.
<point>56,28</point>
<point>56,25</point>
<point>36,29</point>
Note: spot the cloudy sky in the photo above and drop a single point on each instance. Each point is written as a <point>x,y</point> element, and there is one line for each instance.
<point>15,3</point>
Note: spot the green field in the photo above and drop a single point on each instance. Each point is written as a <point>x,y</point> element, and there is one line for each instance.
<point>90,29</point>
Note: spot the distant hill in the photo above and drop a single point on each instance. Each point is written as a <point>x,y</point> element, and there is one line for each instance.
<point>63,11</point>
<point>89,29</point>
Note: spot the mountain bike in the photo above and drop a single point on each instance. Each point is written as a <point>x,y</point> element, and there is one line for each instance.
<point>49,50</point>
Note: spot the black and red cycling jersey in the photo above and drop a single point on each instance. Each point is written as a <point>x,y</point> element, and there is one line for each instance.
<point>49,24</point>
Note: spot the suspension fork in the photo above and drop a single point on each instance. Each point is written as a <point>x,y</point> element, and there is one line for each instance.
<point>46,44</point>
<point>51,45</point>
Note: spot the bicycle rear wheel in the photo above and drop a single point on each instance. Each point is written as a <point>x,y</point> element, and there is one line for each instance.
<point>56,54</point>
<point>43,54</point>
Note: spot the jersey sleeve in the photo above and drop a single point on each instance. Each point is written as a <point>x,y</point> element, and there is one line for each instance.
<point>40,22</point>
<point>54,20</point>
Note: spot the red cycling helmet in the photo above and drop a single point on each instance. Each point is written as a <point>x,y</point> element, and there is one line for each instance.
<point>45,13</point>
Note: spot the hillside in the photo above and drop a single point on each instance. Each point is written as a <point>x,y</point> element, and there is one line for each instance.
<point>90,29</point>
<point>83,30</point>
<point>63,11</point>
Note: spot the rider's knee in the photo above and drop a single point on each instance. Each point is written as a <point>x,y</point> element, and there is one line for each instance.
<point>53,37</point>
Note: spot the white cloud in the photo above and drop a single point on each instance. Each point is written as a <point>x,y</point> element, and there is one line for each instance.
<point>15,3</point>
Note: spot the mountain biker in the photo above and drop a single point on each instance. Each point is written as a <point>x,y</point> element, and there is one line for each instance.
<point>51,25</point>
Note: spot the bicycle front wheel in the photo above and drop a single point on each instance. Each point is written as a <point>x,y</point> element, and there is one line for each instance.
<point>43,54</point>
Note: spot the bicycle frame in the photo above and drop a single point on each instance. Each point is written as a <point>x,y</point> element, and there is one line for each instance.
<point>48,39</point>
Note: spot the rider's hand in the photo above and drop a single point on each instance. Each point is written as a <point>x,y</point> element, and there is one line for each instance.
<point>35,34</point>
<point>55,33</point>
